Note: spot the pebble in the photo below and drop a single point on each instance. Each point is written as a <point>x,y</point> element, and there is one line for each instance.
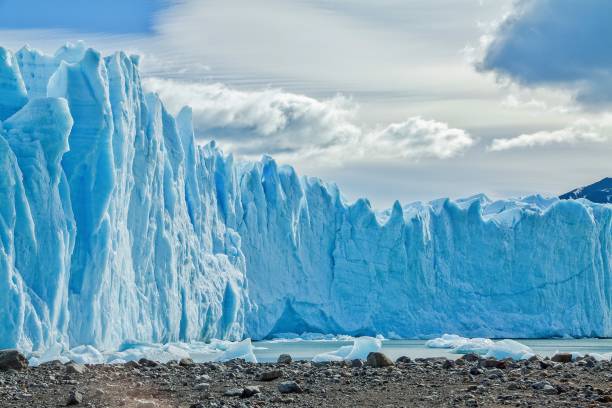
<point>74,398</point>
<point>421,382</point>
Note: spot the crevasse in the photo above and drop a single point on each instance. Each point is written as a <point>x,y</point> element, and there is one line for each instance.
<point>116,225</point>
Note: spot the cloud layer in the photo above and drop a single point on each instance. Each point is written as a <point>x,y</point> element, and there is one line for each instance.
<point>251,123</point>
<point>558,43</point>
<point>581,131</point>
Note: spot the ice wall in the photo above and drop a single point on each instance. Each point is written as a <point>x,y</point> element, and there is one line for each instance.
<point>116,225</point>
<point>109,230</point>
<point>525,271</point>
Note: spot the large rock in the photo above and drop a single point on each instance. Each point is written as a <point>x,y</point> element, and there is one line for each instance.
<point>12,360</point>
<point>186,362</point>
<point>357,363</point>
<point>562,358</point>
<point>233,392</point>
<point>74,398</point>
<point>403,359</point>
<point>270,375</point>
<point>74,368</point>
<point>377,359</point>
<point>288,387</point>
<point>471,357</point>
<point>284,359</point>
<point>493,363</point>
<point>249,391</point>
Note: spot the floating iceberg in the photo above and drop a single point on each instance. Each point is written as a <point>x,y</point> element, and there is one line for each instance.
<point>458,343</point>
<point>239,350</point>
<point>486,347</point>
<point>596,356</point>
<point>509,349</point>
<point>294,337</point>
<point>115,224</point>
<point>362,346</point>
<point>216,350</point>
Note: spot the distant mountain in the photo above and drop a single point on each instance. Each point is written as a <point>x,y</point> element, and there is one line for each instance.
<point>600,192</point>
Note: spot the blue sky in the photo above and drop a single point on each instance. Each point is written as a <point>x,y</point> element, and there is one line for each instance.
<point>87,16</point>
<point>394,99</point>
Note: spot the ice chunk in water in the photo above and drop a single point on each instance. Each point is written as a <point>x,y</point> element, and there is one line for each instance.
<point>362,346</point>
<point>509,349</point>
<point>487,347</point>
<point>242,349</point>
<point>85,355</point>
<point>446,341</point>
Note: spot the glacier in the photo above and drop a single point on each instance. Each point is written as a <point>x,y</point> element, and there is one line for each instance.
<point>117,226</point>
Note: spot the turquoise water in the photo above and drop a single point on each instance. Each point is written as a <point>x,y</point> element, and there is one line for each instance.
<point>268,351</point>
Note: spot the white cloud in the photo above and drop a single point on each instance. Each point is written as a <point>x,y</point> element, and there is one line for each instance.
<point>418,138</point>
<point>251,123</point>
<point>581,131</point>
<point>256,122</point>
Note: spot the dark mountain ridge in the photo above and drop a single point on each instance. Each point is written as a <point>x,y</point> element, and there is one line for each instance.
<point>600,192</point>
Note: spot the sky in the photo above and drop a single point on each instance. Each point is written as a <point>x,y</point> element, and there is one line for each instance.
<point>393,99</point>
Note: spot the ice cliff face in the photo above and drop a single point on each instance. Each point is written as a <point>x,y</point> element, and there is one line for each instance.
<point>116,225</point>
<point>109,228</point>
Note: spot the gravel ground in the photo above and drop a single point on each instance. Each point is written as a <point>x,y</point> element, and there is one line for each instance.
<point>469,381</point>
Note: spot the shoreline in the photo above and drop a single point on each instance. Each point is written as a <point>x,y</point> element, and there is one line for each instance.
<point>377,382</point>
<point>307,348</point>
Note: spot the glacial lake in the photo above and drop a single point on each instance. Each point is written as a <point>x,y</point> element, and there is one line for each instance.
<point>268,351</point>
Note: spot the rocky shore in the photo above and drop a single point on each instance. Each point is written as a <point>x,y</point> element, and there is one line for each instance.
<point>470,381</point>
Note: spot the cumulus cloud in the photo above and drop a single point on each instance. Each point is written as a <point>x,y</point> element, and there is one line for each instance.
<point>581,131</point>
<point>255,122</point>
<point>418,138</point>
<point>251,123</point>
<point>556,43</point>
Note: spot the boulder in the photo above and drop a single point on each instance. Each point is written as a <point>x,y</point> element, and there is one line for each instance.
<point>357,363</point>
<point>475,371</point>
<point>377,359</point>
<point>132,364</point>
<point>74,368</point>
<point>493,363</point>
<point>186,362</point>
<point>284,359</point>
<point>447,364</point>
<point>74,398</point>
<point>289,387</point>
<point>202,387</point>
<point>270,375</point>
<point>12,360</point>
<point>562,358</point>
<point>145,362</point>
<point>471,357</point>
<point>403,359</point>
<point>233,392</point>
<point>249,391</point>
